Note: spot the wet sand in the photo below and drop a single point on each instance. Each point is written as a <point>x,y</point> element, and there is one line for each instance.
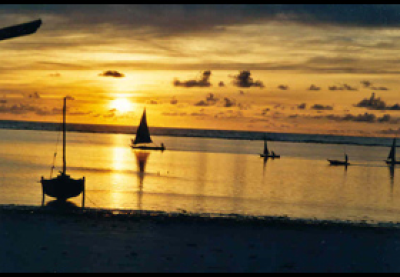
<point>48,241</point>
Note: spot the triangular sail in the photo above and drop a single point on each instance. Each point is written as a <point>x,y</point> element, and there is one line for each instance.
<point>266,151</point>
<point>392,153</point>
<point>143,133</point>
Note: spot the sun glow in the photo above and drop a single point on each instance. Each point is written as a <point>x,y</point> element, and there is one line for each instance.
<point>122,105</point>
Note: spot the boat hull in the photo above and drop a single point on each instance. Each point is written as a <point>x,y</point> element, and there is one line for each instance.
<point>156,148</point>
<point>270,156</point>
<point>63,187</point>
<point>392,162</point>
<point>333,162</point>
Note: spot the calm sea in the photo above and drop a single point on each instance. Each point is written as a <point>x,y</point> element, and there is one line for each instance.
<point>205,175</point>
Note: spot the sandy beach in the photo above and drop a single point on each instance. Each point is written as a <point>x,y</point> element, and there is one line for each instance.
<point>47,241</point>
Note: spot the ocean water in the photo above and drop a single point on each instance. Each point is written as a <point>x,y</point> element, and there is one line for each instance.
<point>205,175</point>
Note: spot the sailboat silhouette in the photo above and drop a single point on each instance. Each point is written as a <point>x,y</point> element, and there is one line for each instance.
<point>63,186</point>
<point>267,154</point>
<point>391,159</point>
<point>143,137</point>
<point>336,162</point>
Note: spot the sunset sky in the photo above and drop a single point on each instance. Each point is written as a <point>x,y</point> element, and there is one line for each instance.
<point>331,69</point>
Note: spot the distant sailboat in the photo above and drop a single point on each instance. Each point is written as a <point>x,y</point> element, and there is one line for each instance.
<point>20,30</point>
<point>63,186</point>
<point>267,154</point>
<point>391,159</point>
<point>143,136</point>
<point>336,162</point>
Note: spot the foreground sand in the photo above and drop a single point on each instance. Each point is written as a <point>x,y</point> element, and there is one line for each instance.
<point>43,241</point>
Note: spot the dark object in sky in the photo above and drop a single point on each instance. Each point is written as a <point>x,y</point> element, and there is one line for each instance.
<point>143,136</point>
<point>20,30</point>
<point>63,186</point>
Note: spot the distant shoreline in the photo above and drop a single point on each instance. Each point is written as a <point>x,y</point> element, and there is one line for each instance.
<point>198,133</point>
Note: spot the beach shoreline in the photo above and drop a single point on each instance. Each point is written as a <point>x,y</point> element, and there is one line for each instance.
<point>54,240</point>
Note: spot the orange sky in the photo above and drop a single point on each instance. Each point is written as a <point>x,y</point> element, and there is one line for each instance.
<point>281,75</point>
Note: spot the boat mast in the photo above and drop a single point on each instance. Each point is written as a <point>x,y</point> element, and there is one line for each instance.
<point>394,151</point>
<point>64,134</point>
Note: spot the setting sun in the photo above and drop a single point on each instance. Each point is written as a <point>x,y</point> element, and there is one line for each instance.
<point>122,105</point>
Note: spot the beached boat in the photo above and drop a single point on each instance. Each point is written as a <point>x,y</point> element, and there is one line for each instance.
<point>63,186</point>
<point>143,139</point>
<point>20,30</point>
<point>267,154</point>
<point>343,163</point>
<point>391,159</point>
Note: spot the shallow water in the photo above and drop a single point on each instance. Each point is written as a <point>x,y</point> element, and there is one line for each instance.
<point>204,175</point>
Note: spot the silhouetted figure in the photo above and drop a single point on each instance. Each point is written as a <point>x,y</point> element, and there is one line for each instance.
<point>343,163</point>
<point>20,30</point>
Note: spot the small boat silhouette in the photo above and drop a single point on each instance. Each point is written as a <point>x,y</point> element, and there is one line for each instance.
<point>391,159</point>
<point>343,163</point>
<point>267,154</point>
<point>143,137</point>
<point>63,186</point>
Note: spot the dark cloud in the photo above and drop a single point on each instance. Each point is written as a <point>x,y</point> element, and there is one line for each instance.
<point>368,84</point>
<point>112,73</point>
<point>342,87</point>
<point>203,82</point>
<point>229,114</point>
<point>314,87</point>
<point>366,117</point>
<point>221,84</point>
<point>283,87</point>
<point>302,106</point>
<point>244,80</point>
<point>210,100</point>
<point>376,104</point>
<point>173,101</point>
<point>18,109</point>
<point>229,102</point>
<point>320,107</point>
<point>265,111</point>
<point>168,20</point>
<point>174,114</point>
<point>390,132</point>
<point>34,95</point>
<point>379,88</point>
